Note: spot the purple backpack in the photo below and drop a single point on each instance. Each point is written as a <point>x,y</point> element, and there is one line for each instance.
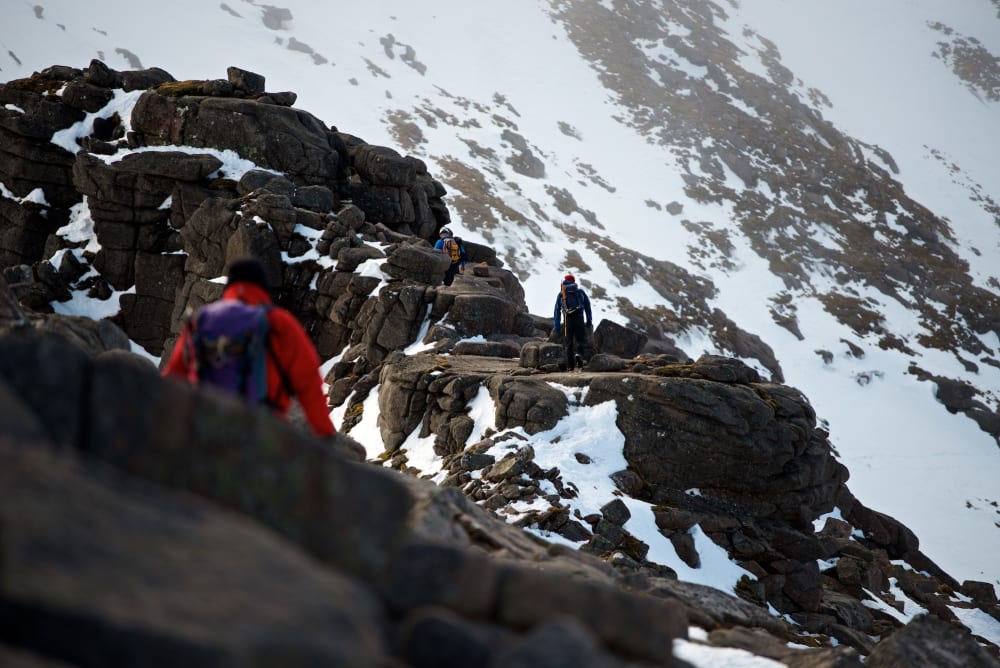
<point>230,344</point>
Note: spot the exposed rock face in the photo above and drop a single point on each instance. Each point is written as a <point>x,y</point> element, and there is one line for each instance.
<point>761,469</point>
<point>378,567</point>
<point>929,642</point>
<point>275,137</point>
<point>754,445</point>
<point>133,544</point>
<point>142,204</point>
<point>379,548</point>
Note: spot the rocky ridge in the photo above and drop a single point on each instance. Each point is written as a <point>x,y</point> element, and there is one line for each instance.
<point>433,575</point>
<point>827,212</point>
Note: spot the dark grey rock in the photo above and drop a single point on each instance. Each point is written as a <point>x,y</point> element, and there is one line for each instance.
<point>617,340</point>
<point>80,591</point>
<point>926,641</point>
<point>246,81</point>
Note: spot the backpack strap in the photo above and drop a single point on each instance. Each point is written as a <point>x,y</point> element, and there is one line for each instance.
<point>286,384</point>
<point>189,351</point>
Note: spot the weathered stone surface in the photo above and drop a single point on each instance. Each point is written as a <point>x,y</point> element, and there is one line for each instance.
<point>722,608</point>
<point>763,450</point>
<point>508,349</point>
<point>428,574</point>
<point>433,636</point>
<point>76,586</point>
<point>86,96</point>
<point>419,263</point>
<point>616,512</point>
<point>482,314</point>
<point>763,644</point>
<point>383,166</point>
<point>403,400</point>
<point>38,366</point>
<point>207,234</point>
<point>143,79</point>
<point>249,82</point>
<point>926,641</point>
<point>146,314</point>
<point>980,591</point>
<point>560,642</point>
<point>42,115</point>
<point>605,362</point>
<point>395,319</point>
<point>847,609</point>
<point>141,168</point>
<point>220,449</point>
<point>277,137</point>
<point>615,339</point>
<point>100,74</point>
<point>314,198</point>
<point>385,204</point>
<point>535,355</point>
<point>528,597</point>
<point>534,404</point>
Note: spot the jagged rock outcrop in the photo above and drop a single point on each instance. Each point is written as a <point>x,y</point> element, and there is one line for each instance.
<point>384,544</point>
<point>750,444</point>
<point>161,578</point>
<point>761,468</point>
<point>275,137</point>
<point>344,232</point>
<point>930,642</point>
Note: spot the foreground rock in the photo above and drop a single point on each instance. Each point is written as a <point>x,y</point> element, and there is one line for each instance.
<point>122,572</point>
<point>360,526</point>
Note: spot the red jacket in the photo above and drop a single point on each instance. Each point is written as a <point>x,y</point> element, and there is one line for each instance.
<point>291,349</point>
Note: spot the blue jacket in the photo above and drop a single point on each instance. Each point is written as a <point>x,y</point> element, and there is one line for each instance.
<point>439,245</point>
<point>557,312</point>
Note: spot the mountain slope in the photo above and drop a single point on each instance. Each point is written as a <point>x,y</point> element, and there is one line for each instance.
<point>727,176</point>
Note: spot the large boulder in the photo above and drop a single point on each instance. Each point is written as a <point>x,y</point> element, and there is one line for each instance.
<point>146,313</point>
<point>210,444</point>
<point>111,571</point>
<point>926,641</point>
<point>84,334</point>
<point>755,445</point>
<point>383,166</point>
<point>280,138</point>
<point>618,340</point>
<point>416,262</point>
<point>30,115</point>
<point>126,201</point>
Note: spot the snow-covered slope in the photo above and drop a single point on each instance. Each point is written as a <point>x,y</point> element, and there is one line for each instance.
<point>677,157</point>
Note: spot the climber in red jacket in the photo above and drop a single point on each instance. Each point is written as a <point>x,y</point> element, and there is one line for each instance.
<point>292,363</point>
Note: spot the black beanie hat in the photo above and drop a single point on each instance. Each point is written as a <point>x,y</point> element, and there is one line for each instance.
<point>248,269</point>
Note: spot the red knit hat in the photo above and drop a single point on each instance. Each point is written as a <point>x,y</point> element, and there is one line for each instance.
<point>570,278</point>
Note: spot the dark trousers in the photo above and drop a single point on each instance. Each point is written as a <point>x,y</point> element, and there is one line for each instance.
<point>576,339</point>
<point>449,274</point>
